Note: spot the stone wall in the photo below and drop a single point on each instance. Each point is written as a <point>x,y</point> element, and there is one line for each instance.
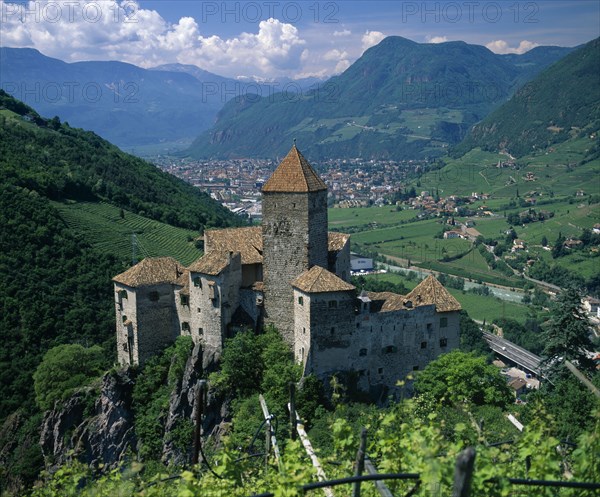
<point>294,239</point>
<point>158,324</point>
<point>126,310</point>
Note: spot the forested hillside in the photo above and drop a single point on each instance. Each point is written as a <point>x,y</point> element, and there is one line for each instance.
<point>55,287</point>
<point>561,103</point>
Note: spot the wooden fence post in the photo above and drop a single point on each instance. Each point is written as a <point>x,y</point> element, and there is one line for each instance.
<point>463,473</point>
<point>360,461</point>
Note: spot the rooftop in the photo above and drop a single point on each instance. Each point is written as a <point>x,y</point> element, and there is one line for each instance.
<point>294,175</point>
<point>212,263</point>
<point>431,291</point>
<point>152,271</point>
<point>319,280</point>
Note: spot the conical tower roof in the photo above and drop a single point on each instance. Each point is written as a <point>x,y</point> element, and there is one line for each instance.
<point>294,175</point>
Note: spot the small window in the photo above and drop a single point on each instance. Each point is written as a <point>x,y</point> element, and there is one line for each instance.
<point>333,304</point>
<point>362,352</point>
<point>390,349</point>
<point>124,318</point>
<point>304,331</point>
<point>332,331</point>
<point>301,300</point>
<point>443,322</point>
<point>415,368</point>
<point>302,354</point>
<point>380,371</point>
<point>358,325</point>
<point>185,299</point>
<point>199,310</point>
<point>153,296</point>
<point>198,281</point>
<point>201,331</point>
<point>443,342</point>
<point>423,345</point>
<point>429,326</point>
<point>185,326</point>
<point>123,294</point>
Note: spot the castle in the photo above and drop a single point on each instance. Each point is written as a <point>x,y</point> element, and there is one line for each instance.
<point>293,274</point>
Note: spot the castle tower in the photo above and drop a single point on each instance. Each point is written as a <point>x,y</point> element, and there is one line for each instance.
<point>294,230</point>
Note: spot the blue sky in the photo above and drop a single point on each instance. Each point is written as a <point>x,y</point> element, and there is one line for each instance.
<point>269,39</point>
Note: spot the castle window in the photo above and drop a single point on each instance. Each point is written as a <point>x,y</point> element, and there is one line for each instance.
<point>333,304</point>
<point>332,331</point>
<point>390,349</point>
<point>123,294</point>
<point>380,371</point>
<point>185,326</point>
<point>358,325</point>
<point>301,354</point>
<point>199,310</point>
<point>153,296</point>
<point>185,300</point>
<point>423,345</point>
<point>201,331</point>
<point>301,300</point>
<point>198,281</point>
<point>303,331</point>
<point>443,342</point>
<point>415,368</point>
<point>443,322</point>
<point>429,326</point>
<point>211,291</point>
<point>362,352</point>
<point>124,318</point>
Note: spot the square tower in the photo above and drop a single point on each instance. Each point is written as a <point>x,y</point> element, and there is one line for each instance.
<point>294,230</point>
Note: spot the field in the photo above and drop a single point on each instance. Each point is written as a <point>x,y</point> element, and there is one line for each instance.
<point>103,227</point>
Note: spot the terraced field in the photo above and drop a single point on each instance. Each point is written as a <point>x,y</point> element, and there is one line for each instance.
<point>103,227</point>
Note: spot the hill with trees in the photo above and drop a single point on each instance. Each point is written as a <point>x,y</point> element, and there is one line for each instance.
<point>562,103</point>
<point>55,286</point>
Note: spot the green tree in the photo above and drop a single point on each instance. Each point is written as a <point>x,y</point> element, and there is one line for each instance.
<point>567,334</point>
<point>63,370</point>
<point>459,377</point>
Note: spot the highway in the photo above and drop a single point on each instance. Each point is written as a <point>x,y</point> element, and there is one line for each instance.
<point>521,357</point>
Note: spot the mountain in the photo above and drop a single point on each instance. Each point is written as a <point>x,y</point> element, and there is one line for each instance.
<point>401,99</point>
<point>123,103</point>
<point>561,103</point>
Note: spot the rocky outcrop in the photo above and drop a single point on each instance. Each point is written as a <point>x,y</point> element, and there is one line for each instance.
<point>101,436</point>
<point>179,426</point>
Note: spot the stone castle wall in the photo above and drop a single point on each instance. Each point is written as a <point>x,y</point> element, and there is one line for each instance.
<point>294,239</point>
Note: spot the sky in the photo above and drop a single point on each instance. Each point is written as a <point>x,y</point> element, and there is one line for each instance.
<point>273,39</point>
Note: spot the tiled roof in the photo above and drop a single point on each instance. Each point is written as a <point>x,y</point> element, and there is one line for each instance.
<point>431,291</point>
<point>246,241</point>
<point>389,301</point>
<point>151,271</point>
<point>336,241</point>
<point>294,175</point>
<point>212,263</point>
<point>319,280</point>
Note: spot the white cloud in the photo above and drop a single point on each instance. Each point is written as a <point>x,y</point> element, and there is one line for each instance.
<point>436,39</point>
<point>102,30</point>
<point>371,38</point>
<point>502,47</point>
<point>343,32</point>
<point>335,54</point>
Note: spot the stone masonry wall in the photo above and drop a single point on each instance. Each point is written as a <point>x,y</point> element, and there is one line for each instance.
<point>294,239</point>
<point>126,309</point>
<point>157,321</point>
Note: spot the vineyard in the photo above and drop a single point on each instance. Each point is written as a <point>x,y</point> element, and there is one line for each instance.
<point>111,230</point>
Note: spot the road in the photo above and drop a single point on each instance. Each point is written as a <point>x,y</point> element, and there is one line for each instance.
<point>514,353</point>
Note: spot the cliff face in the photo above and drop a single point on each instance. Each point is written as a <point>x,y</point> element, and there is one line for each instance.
<point>104,437</point>
<point>101,429</point>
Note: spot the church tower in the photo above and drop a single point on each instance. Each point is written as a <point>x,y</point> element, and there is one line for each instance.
<point>294,229</point>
